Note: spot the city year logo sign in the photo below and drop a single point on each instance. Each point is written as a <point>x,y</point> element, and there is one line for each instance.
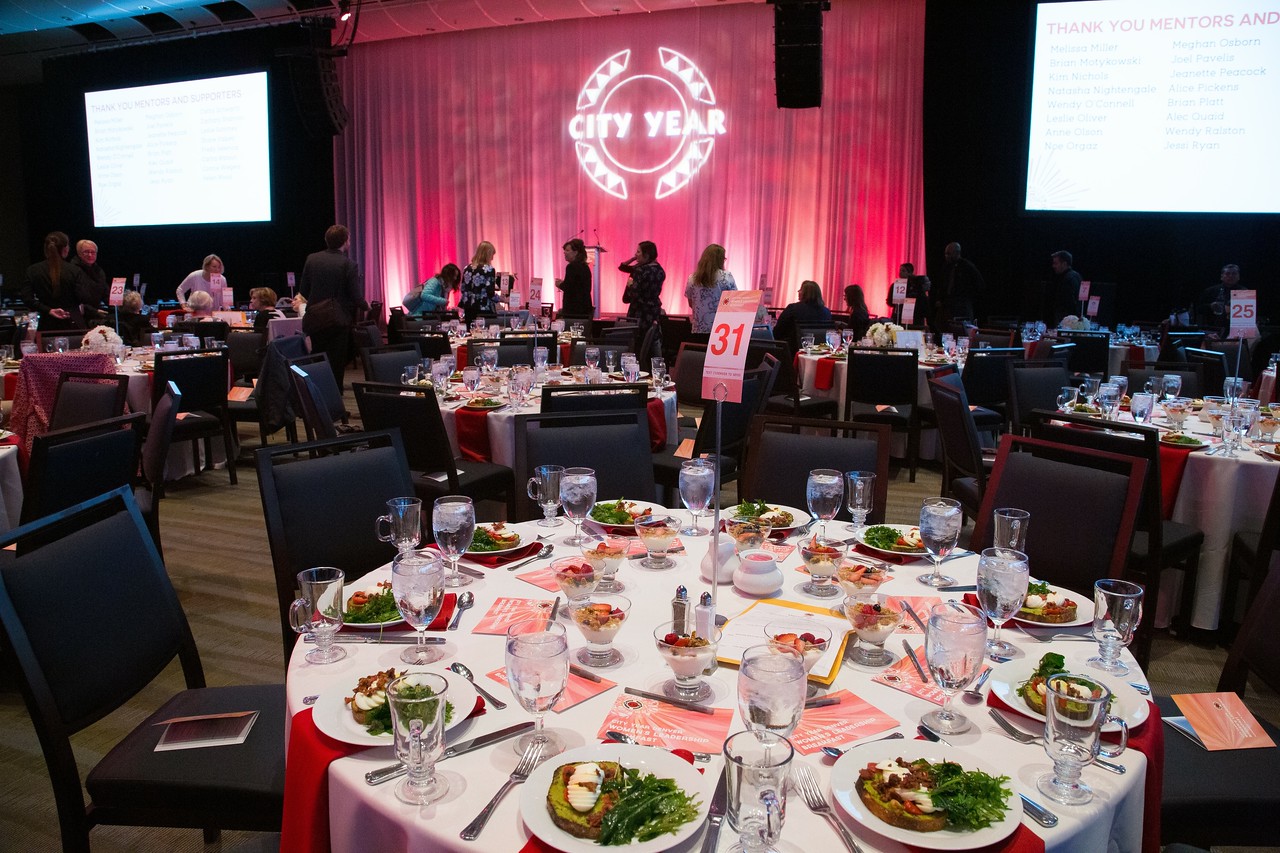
<point>646,126</point>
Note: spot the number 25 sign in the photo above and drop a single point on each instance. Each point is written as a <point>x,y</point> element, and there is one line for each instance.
<point>727,348</point>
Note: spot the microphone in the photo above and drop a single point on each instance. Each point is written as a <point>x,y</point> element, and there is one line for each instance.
<point>583,231</point>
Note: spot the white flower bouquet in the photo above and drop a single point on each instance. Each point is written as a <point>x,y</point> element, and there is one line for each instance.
<point>884,334</point>
<point>101,339</point>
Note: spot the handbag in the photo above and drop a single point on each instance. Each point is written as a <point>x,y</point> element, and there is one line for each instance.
<point>323,315</point>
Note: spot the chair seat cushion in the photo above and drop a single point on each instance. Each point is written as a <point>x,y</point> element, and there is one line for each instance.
<point>196,424</point>
<point>987,419</point>
<point>898,416</point>
<point>475,479</point>
<point>810,407</point>
<point>242,784</point>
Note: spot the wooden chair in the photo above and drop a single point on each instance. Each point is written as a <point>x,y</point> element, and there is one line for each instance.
<point>83,398</point>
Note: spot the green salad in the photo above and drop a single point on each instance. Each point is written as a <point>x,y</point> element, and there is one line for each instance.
<point>751,509</point>
<point>885,538</point>
<point>647,808</point>
<point>972,799</point>
<point>378,720</point>
<point>620,512</point>
<point>486,539</point>
<point>371,608</point>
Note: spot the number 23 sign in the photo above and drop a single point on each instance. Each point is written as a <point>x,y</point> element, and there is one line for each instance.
<point>727,347</point>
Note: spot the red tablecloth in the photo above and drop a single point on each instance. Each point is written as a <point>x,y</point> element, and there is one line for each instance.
<point>162,317</point>
<point>38,387</point>
<point>1173,462</point>
<point>473,434</point>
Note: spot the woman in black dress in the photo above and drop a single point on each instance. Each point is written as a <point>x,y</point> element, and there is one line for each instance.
<point>576,284</point>
<point>56,288</point>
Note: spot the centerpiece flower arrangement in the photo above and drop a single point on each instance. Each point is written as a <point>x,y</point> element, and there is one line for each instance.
<point>883,334</point>
<point>1075,324</point>
<point>100,339</point>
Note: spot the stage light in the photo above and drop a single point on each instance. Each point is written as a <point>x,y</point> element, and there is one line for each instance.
<point>344,7</point>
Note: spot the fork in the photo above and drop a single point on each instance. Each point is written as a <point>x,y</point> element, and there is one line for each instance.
<point>527,762</point>
<point>804,779</point>
<point>1023,737</point>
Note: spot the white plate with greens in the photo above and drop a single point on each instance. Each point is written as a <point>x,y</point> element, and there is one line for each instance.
<point>333,717</point>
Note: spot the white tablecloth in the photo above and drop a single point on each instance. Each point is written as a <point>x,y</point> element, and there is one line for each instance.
<point>1119,353</point>
<point>366,818</point>
<point>10,487</point>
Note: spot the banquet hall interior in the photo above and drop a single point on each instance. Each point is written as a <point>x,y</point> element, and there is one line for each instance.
<point>883,132</point>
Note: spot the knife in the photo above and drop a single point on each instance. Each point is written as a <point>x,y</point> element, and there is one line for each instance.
<point>716,812</point>
<point>407,639</point>
<point>679,703</point>
<point>822,702</point>
<point>583,672</point>
<point>915,617</point>
<point>385,774</point>
<point>958,588</point>
<point>915,661</point>
<point>555,610</point>
<point>467,570</point>
<point>643,554</point>
<point>1037,812</point>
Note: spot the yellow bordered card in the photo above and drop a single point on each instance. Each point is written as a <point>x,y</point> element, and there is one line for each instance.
<point>748,629</point>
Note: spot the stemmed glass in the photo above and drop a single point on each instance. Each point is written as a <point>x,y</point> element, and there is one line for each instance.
<point>591,357</point>
<point>1075,711</point>
<point>404,524</point>
<point>489,359</point>
<point>771,689</point>
<point>1172,385</point>
<point>1002,587</point>
<point>940,522</point>
<point>599,615</point>
<point>657,533</point>
<point>1232,388</point>
<point>319,612</point>
<point>1121,382</point>
<point>1176,411</point>
<point>874,616</point>
<point>611,361</point>
<point>520,384</point>
<point>453,521</point>
<point>605,555</point>
<point>537,656</point>
<point>689,656</point>
<point>954,644</point>
<point>544,489</point>
<point>417,701</point>
<point>471,378</point>
<point>1109,400</point>
<point>1140,407</point>
<point>1117,610</point>
<point>577,496</point>
<point>823,492</point>
<point>860,497</point>
<point>417,583</point>
<point>697,484</point>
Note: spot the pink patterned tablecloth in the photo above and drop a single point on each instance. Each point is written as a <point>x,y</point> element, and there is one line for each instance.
<point>38,386</point>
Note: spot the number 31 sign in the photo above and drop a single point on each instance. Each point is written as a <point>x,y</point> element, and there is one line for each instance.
<point>727,348</point>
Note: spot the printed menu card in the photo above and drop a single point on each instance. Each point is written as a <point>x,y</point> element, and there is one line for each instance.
<point>852,719</point>
<point>902,676</point>
<point>659,724</point>
<point>577,689</point>
<point>748,629</point>
<point>505,612</point>
<point>1221,721</point>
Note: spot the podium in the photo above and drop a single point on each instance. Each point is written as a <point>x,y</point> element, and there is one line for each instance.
<point>593,261</point>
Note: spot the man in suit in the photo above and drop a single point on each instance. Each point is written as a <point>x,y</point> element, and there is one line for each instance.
<point>1066,286</point>
<point>959,291</point>
<point>332,275</point>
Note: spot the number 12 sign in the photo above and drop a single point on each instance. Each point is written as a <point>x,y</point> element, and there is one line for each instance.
<point>727,348</point>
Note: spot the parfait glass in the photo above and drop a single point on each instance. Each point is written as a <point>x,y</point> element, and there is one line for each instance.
<point>697,485</point>
<point>805,636</point>
<point>1117,611</point>
<point>577,496</point>
<point>599,616</point>
<point>874,616</point>
<point>940,522</point>
<point>657,533</point>
<point>1072,729</point>
<point>319,612</point>
<point>577,578</point>
<point>824,492</point>
<point>417,583</point>
<point>689,655</point>
<point>859,495</point>
<point>1002,587</point>
<point>544,489</point>
<point>771,689</point>
<point>748,535</point>
<point>954,643</point>
<point>537,658</point>
<point>418,701</point>
<point>606,555</point>
<point>822,559</point>
<point>453,522</point>
<point>1176,411</point>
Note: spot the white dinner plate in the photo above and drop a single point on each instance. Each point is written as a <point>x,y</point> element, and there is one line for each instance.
<point>844,781</point>
<point>516,547</point>
<point>901,528</point>
<point>647,759</point>
<point>332,716</point>
<point>1084,611</point>
<point>1129,705</point>
<point>625,529</point>
<point>368,626</point>
<point>801,518</point>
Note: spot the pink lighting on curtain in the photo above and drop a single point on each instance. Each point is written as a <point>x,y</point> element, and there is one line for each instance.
<point>465,137</point>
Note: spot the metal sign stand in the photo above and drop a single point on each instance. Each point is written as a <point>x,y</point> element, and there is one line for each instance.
<point>721,392</point>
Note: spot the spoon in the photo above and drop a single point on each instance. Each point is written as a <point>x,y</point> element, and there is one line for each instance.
<point>465,602</point>
<point>462,670</point>
<point>542,554</point>
<point>974,693</point>
<point>836,752</point>
<point>622,737</point>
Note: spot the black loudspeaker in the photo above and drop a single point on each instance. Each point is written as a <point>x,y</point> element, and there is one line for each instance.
<point>318,94</point>
<point>797,53</point>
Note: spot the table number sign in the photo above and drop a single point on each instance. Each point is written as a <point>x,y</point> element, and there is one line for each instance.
<point>727,348</point>
<point>117,292</point>
<point>1092,310</point>
<point>291,280</point>
<point>1244,314</point>
<point>1083,296</point>
<point>899,291</point>
<point>535,294</point>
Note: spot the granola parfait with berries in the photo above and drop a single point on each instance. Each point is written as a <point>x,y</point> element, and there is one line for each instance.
<point>822,557</point>
<point>599,616</point>
<point>689,655</point>
<point>874,617</point>
<point>658,534</point>
<point>605,554</point>
<point>805,636</point>
<point>576,577</point>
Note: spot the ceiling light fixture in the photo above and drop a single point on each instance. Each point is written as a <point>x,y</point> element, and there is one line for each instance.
<point>344,6</point>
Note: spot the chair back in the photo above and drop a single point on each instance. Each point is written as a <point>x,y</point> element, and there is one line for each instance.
<point>1035,385</point>
<point>1193,384</point>
<point>417,416</point>
<point>687,373</point>
<point>675,331</point>
<point>624,335</point>
<point>274,390</point>
<point>594,398</point>
<point>46,340</point>
<point>71,465</point>
<point>735,424</point>
<point>961,447</point>
<point>1091,352</point>
<point>367,335</point>
<point>430,344</point>
<point>329,400</point>
<point>155,447</point>
<point>317,424</point>
<point>986,375</point>
<point>320,498</point>
<point>218,329</point>
<point>387,363</point>
<point>201,374</point>
<point>1173,345</point>
<point>614,444</point>
<point>83,398</point>
<point>245,351</point>
<point>882,376</point>
<point>578,352</point>
<point>1214,365</point>
<point>993,338</point>
<point>510,353</point>
<point>533,339</point>
<point>1253,650</point>
<point>778,452</point>
<point>1082,517</point>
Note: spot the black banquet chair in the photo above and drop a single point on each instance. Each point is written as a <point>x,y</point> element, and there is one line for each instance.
<point>82,398</point>
<point>100,559</point>
<point>204,377</point>
<point>71,465</point>
<point>881,386</point>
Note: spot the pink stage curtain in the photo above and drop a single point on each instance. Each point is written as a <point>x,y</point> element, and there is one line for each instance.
<point>464,137</point>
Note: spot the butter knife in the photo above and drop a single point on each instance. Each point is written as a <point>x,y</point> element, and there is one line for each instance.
<point>915,661</point>
<point>915,617</point>
<point>1037,812</point>
<point>407,639</point>
<point>678,703</point>
<point>716,813</point>
<point>385,774</point>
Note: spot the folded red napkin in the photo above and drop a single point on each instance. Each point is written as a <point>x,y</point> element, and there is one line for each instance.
<point>898,559</point>
<point>473,434</point>
<point>305,826</point>
<point>462,360</point>
<point>494,560</point>
<point>1137,356</point>
<point>823,373</point>
<point>657,424</point>
<point>1173,463</point>
<point>437,624</point>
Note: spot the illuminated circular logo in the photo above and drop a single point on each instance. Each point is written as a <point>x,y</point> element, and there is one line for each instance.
<point>652,126</point>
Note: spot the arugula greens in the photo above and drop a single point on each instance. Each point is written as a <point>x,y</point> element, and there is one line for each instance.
<point>614,512</point>
<point>971,798</point>
<point>647,808</point>
<point>381,607</point>
<point>751,509</point>
<point>377,721</point>
<point>882,537</point>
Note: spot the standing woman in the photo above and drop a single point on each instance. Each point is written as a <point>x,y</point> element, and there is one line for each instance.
<point>200,279</point>
<point>433,294</point>
<point>703,290</point>
<point>479,284</point>
<point>576,284</point>
<point>56,288</point>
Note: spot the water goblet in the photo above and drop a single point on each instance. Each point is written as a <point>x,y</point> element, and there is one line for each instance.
<point>577,496</point>
<point>940,522</point>
<point>948,343</point>
<point>599,616</point>
<point>403,524</point>
<point>1140,407</point>
<point>689,655</point>
<point>757,770</point>
<point>611,361</point>
<point>821,558</point>
<point>471,378</point>
<point>577,577</point>
<point>697,484</point>
<point>544,490</point>
<point>631,371</point>
<point>1075,712</point>
<point>1109,400</point>
<point>657,533</point>
<point>658,372</point>
<point>606,555</point>
<point>859,495</point>
<point>1171,384</point>
<point>1067,398</point>
<point>592,356</point>
<point>806,342</point>
<point>1010,528</point>
<point>1232,388</point>
<point>846,337</point>
<point>540,355</point>
<point>488,359</point>
<point>418,702</point>
<point>954,642</point>
<point>833,339</point>
<point>1117,611</point>
<point>1002,587</point>
<point>520,385</point>
<point>319,612</point>
<point>771,689</point>
<point>537,658</point>
<point>1121,382</point>
<point>417,584</point>
<point>748,535</point>
<point>824,492</point>
<point>440,373</point>
<point>453,522</point>
<point>874,616</point>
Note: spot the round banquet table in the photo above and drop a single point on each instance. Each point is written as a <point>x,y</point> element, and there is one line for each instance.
<point>362,817</point>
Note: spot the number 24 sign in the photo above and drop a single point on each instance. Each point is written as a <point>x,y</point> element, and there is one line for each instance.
<point>727,348</point>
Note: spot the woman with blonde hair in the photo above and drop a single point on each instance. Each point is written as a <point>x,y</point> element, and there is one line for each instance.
<point>479,292</point>
<point>201,280</point>
<point>704,287</point>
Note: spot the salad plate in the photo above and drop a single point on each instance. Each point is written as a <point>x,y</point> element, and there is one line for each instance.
<point>369,626</point>
<point>799,518</point>
<point>602,515</point>
<point>333,717</point>
<point>861,535</point>
<point>1129,704</point>
<point>488,552</point>
<point>1183,441</point>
